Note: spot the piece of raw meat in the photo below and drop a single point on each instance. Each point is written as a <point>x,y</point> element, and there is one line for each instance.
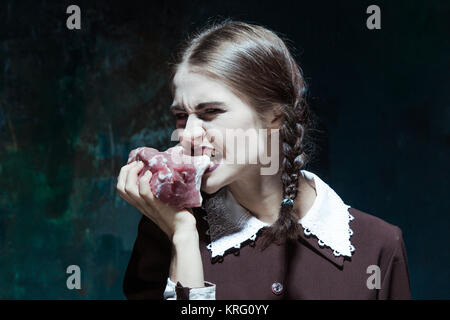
<point>176,177</point>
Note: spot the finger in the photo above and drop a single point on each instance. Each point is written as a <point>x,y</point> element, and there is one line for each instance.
<point>144,187</point>
<point>146,193</point>
<point>122,177</point>
<point>132,202</point>
<point>131,186</point>
<point>125,196</point>
<point>121,188</point>
<point>121,180</point>
<point>153,203</point>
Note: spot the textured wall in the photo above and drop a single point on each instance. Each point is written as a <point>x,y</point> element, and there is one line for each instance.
<point>73,103</point>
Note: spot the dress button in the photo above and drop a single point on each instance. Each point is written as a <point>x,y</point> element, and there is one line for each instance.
<point>277,288</point>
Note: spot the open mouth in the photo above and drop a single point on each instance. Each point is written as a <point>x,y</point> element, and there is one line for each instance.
<point>212,168</point>
<point>215,161</point>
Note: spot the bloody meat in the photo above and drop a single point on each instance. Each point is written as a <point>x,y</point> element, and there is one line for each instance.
<point>176,177</point>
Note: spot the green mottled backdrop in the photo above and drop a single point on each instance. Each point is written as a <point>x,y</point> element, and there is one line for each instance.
<point>73,103</point>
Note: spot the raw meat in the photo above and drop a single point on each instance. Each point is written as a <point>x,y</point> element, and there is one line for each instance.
<point>176,177</point>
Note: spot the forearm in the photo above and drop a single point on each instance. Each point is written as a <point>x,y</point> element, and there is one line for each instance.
<point>186,265</point>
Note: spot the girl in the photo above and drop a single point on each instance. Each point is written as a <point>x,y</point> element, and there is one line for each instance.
<point>285,235</point>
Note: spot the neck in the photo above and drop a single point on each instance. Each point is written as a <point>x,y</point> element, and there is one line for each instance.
<point>262,195</point>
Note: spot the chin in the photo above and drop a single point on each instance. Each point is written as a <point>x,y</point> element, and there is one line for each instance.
<point>210,187</point>
<point>214,181</point>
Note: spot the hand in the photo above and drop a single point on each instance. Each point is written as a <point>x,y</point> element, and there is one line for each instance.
<point>175,223</point>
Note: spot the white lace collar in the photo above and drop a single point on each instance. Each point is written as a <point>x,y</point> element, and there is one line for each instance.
<point>328,219</point>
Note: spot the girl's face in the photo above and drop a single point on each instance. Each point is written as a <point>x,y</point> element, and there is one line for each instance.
<point>206,112</point>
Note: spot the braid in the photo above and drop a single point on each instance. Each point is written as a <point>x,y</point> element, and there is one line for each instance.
<point>293,159</point>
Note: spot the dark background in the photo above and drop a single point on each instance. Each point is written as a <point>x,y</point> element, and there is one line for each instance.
<point>73,103</point>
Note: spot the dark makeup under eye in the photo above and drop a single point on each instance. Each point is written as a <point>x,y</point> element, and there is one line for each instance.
<point>211,111</point>
<point>181,116</point>
<point>203,114</point>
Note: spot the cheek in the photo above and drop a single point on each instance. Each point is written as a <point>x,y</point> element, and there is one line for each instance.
<point>222,176</point>
<point>217,132</point>
<point>255,148</point>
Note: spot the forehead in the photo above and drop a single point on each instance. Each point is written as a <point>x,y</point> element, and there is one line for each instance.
<point>191,88</point>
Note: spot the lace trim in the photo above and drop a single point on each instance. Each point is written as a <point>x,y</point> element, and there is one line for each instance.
<point>231,225</point>
<point>235,240</point>
<point>306,231</point>
<point>322,244</point>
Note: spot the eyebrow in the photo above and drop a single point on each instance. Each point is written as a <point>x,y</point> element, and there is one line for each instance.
<point>199,106</point>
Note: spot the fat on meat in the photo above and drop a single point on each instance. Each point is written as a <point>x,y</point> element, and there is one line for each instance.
<point>176,177</point>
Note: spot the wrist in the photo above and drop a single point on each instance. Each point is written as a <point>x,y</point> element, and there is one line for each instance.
<point>185,238</point>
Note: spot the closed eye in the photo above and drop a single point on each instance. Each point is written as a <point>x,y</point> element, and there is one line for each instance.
<point>212,110</point>
<point>206,114</point>
<point>181,116</point>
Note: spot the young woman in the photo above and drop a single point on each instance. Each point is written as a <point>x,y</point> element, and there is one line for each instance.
<point>285,235</point>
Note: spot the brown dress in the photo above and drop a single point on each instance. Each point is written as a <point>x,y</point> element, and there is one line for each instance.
<point>302,269</point>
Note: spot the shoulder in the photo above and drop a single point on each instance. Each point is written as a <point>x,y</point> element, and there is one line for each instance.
<point>372,232</point>
<point>380,243</point>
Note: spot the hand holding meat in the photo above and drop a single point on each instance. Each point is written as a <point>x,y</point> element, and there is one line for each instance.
<point>176,177</point>
<point>163,189</point>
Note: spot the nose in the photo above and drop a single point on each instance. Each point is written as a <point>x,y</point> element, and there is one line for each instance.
<point>192,136</point>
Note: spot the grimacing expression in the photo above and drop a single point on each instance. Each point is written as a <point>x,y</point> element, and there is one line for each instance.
<point>205,109</point>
